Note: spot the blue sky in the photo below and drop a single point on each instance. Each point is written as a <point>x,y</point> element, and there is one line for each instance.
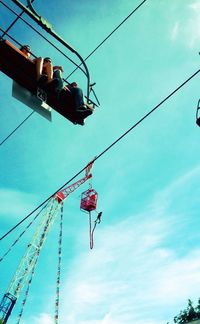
<point>145,263</point>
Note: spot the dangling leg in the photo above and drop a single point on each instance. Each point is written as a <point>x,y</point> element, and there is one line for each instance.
<point>78,97</point>
<point>79,100</point>
<point>80,107</point>
<point>57,74</point>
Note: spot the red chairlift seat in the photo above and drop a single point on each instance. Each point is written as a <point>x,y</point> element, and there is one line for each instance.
<point>23,72</point>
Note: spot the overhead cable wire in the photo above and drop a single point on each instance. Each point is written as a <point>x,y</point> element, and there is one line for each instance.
<point>78,66</point>
<point>106,150</point>
<point>45,25</point>
<point>114,30</point>
<point>41,35</point>
<point>14,21</point>
<point>15,40</point>
<point>5,139</point>
<point>21,234</point>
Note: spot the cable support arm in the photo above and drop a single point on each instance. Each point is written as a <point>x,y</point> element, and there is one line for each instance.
<point>45,25</point>
<point>29,2</point>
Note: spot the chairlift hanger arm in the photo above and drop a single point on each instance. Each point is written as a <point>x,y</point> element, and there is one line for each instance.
<point>27,23</point>
<point>29,5</point>
<point>45,25</point>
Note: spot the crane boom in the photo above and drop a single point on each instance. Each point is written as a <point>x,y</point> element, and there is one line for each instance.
<point>30,258</point>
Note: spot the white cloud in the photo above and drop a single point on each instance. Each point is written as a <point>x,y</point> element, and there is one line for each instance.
<point>14,203</point>
<point>185,189</point>
<point>196,7</point>
<point>175,30</point>
<point>185,274</point>
<point>110,282</point>
<point>187,28</point>
<point>42,319</point>
<point>132,271</point>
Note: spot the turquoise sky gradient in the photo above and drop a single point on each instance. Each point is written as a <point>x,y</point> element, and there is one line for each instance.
<point>145,263</point>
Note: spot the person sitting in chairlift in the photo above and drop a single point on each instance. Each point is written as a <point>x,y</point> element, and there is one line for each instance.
<point>26,50</point>
<point>49,78</point>
<point>54,74</point>
<point>44,68</point>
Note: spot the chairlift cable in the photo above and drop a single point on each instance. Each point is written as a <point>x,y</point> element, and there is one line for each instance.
<point>110,34</point>
<point>5,139</point>
<point>20,45</point>
<point>14,22</point>
<point>41,35</point>
<point>45,25</point>
<point>64,53</point>
<point>106,149</point>
<point>14,40</point>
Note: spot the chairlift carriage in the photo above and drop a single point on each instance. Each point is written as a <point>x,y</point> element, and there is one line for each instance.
<point>25,88</point>
<point>198,113</point>
<point>22,70</point>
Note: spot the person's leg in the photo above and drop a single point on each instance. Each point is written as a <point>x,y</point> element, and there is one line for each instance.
<point>38,65</point>
<point>79,100</point>
<point>78,97</point>
<point>46,77</point>
<point>49,71</point>
<point>57,74</point>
